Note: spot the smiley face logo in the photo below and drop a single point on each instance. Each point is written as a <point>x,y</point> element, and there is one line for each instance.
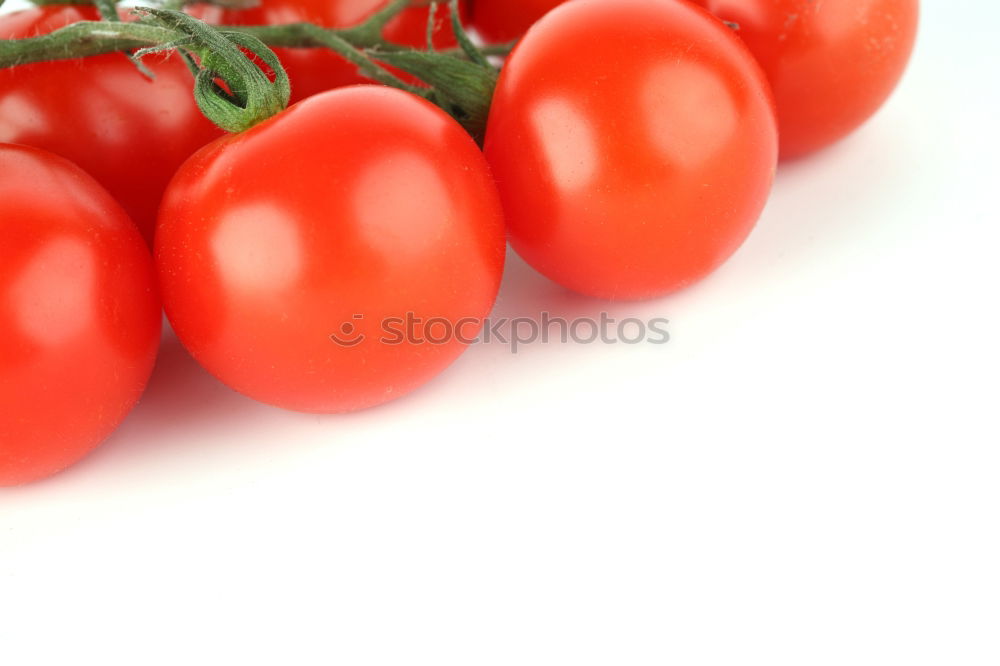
<point>348,335</point>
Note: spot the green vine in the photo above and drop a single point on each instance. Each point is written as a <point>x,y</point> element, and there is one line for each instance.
<point>459,80</point>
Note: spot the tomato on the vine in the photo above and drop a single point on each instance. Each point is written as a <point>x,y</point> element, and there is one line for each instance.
<point>79,314</point>
<point>315,70</point>
<point>293,255</point>
<point>101,113</point>
<point>831,64</point>
<point>507,20</point>
<point>633,144</point>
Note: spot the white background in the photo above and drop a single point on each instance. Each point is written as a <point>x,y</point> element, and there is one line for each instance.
<point>808,474</point>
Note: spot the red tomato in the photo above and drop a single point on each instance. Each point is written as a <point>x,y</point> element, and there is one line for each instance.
<point>126,131</point>
<point>507,20</point>
<point>633,144</point>
<point>831,64</point>
<point>315,70</point>
<point>79,314</point>
<point>349,209</point>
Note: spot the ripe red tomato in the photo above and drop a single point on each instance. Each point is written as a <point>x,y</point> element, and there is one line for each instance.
<point>126,131</point>
<point>79,314</point>
<point>315,70</point>
<point>633,144</point>
<point>350,209</point>
<point>506,20</point>
<point>831,64</point>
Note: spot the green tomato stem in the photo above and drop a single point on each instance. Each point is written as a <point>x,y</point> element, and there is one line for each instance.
<point>108,9</point>
<point>460,80</point>
<point>249,96</point>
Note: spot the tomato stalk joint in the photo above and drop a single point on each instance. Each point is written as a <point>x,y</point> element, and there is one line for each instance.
<point>231,89</point>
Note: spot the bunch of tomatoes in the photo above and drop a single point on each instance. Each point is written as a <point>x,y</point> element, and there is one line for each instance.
<point>629,150</point>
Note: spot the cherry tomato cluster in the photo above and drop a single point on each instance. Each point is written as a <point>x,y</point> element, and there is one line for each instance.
<point>629,150</point>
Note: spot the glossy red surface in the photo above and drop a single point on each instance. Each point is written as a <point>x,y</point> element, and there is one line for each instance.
<point>634,146</point>
<point>126,131</point>
<point>350,208</point>
<point>79,314</point>
<point>506,20</point>
<point>831,64</point>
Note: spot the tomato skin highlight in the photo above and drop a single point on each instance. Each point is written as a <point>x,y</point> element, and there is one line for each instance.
<point>831,64</point>
<point>313,71</point>
<point>129,133</point>
<point>350,208</point>
<point>634,146</point>
<point>79,314</point>
<point>506,20</point>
